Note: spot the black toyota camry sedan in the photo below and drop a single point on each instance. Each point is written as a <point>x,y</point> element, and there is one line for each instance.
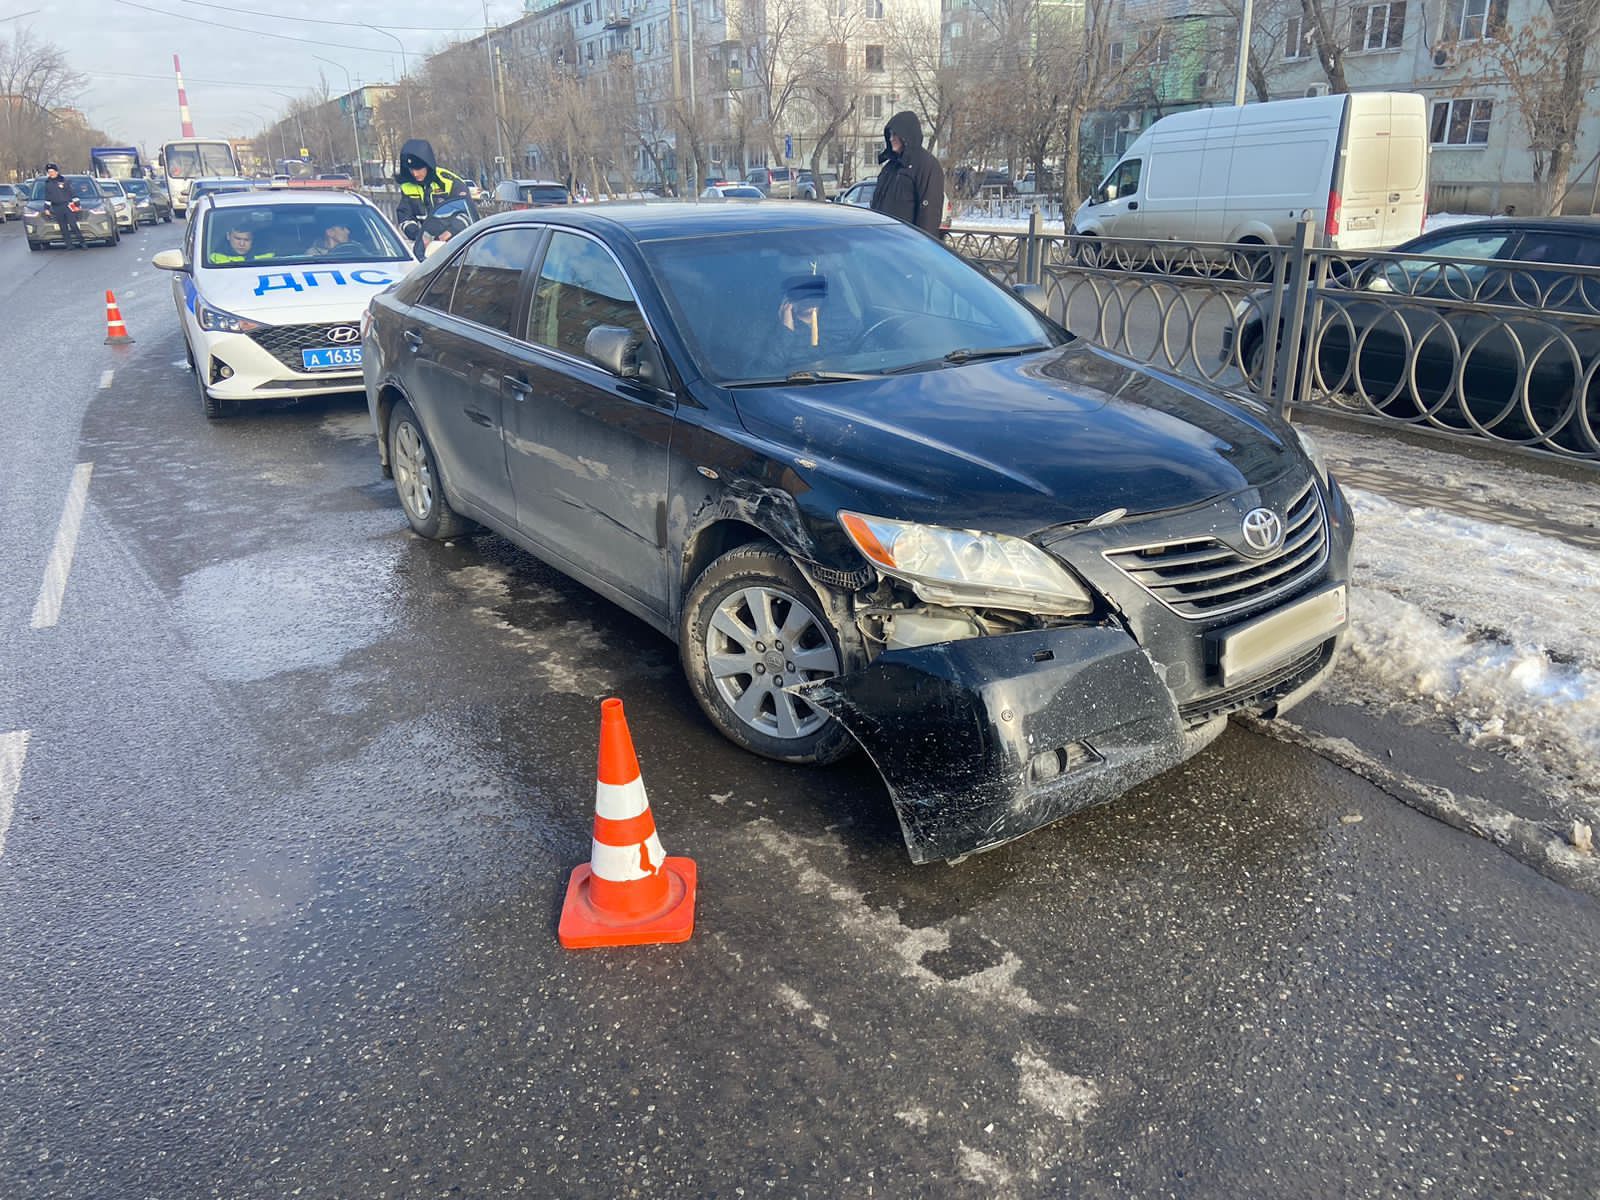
<point>874,497</point>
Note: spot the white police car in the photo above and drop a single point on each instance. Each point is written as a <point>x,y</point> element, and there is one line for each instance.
<point>271,286</point>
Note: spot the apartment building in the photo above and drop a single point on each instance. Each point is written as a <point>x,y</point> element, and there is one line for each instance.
<point>756,82</point>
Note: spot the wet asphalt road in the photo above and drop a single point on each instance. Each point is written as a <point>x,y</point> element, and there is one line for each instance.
<point>301,792</point>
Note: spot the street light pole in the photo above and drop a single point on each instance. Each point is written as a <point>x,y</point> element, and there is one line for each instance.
<point>1244,53</point>
<point>294,111</point>
<point>355,131</point>
<point>494,91</point>
<point>405,72</point>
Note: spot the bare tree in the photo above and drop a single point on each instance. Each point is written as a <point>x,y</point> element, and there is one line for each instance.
<point>1545,67</point>
<point>937,87</point>
<point>35,81</point>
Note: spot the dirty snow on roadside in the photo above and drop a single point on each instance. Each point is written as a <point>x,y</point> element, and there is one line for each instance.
<point>1492,628</point>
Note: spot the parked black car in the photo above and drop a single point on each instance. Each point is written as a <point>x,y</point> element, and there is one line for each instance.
<point>870,493</point>
<point>1480,298</point>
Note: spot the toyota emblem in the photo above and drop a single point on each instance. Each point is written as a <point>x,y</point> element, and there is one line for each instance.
<point>1263,531</point>
<point>343,335</point>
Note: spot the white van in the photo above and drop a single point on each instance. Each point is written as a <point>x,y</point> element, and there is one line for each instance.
<point>1359,162</point>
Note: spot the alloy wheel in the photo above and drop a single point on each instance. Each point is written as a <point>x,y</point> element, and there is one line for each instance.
<point>413,477</point>
<point>760,641</point>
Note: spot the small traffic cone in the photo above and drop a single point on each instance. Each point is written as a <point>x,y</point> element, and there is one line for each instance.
<point>629,893</point>
<point>116,331</point>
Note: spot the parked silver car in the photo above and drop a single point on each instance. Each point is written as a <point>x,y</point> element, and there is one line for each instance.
<point>121,203</point>
<point>10,202</point>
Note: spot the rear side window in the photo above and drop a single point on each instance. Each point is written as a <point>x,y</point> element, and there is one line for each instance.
<point>491,276</point>
<point>1568,249</point>
<point>579,287</point>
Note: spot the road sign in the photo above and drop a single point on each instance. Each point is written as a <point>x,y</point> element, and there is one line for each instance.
<point>788,146</point>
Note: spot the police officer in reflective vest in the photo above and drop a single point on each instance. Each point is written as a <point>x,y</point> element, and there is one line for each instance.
<point>424,185</point>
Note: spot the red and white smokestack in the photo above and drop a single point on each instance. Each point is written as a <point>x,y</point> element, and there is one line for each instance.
<point>183,101</point>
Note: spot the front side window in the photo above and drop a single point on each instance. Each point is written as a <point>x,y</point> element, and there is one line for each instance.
<point>580,287</point>
<point>1461,122</point>
<point>1123,182</point>
<point>490,279</point>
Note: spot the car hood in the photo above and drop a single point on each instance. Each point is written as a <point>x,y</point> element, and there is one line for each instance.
<point>1019,445</point>
<point>337,291</point>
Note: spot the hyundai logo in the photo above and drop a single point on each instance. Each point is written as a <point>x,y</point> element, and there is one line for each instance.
<point>1263,531</point>
<point>343,335</point>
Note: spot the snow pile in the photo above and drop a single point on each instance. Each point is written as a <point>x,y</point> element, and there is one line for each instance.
<point>1490,626</point>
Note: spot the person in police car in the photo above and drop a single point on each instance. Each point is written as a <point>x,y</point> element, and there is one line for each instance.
<point>424,185</point>
<point>241,248</point>
<point>334,240</point>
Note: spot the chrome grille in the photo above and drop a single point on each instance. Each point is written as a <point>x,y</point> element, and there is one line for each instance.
<point>284,342</point>
<point>1203,577</point>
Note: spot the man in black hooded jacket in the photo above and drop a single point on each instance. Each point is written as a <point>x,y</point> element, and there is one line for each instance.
<point>911,184</point>
<point>424,185</point>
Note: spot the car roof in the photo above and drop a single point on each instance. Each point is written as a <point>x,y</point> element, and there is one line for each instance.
<point>257,197</point>
<point>675,219</point>
<point>1576,224</point>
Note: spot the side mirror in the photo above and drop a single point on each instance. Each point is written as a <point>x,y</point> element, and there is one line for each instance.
<point>620,351</point>
<point>1031,294</point>
<point>1108,193</point>
<point>170,260</point>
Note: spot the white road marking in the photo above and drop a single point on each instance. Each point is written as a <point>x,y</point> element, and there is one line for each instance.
<point>48,609</point>
<point>105,379</point>
<point>13,749</point>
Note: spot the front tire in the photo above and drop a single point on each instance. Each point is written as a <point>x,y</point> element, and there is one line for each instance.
<point>416,479</point>
<point>752,625</point>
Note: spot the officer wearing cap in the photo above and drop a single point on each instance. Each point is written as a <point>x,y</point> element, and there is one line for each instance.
<point>63,207</point>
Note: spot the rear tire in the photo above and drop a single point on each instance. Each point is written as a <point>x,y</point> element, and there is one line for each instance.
<point>731,641</point>
<point>417,480</point>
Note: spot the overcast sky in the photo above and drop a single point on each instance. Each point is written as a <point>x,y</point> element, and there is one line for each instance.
<point>126,52</point>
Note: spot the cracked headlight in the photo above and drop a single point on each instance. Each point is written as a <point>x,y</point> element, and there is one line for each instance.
<point>215,320</point>
<point>965,567</point>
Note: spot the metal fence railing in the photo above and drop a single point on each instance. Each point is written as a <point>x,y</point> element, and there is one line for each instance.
<point>1502,351</point>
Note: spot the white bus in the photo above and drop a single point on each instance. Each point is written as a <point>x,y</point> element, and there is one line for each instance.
<point>194,158</point>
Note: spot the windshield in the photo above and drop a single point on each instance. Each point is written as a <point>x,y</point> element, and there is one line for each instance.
<point>137,186</point>
<point>189,159</point>
<point>82,187</point>
<point>298,234</point>
<point>764,305</point>
<point>109,187</point>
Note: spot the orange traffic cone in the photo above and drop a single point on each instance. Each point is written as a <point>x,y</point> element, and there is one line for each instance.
<point>116,331</point>
<point>629,893</point>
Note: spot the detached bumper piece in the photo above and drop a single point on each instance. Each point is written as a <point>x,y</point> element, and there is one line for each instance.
<point>986,739</point>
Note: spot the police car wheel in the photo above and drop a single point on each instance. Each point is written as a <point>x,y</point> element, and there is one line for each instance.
<point>209,404</point>
<point>416,479</point>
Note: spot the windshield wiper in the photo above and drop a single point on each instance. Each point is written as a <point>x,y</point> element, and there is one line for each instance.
<point>802,377</point>
<point>961,356</point>
<point>969,355</point>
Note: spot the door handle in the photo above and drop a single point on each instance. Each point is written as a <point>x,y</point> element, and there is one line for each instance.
<point>521,387</point>
<point>413,339</point>
<point>1132,204</point>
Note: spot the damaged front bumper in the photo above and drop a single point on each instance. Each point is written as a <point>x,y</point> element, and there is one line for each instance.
<point>985,739</point>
